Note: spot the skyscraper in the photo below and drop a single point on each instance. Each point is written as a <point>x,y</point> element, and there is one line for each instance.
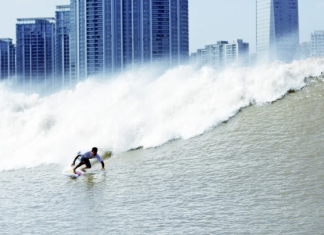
<point>277,30</point>
<point>63,76</point>
<point>96,37</point>
<point>111,35</point>
<point>7,59</point>
<point>169,30</point>
<point>35,53</point>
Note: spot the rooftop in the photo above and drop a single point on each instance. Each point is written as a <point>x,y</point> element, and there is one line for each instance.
<point>32,20</point>
<point>63,7</point>
<point>6,39</point>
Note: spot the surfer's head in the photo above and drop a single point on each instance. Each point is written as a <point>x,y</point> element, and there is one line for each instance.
<point>94,151</point>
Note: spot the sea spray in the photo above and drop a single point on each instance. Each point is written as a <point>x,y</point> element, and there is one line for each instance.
<point>137,108</point>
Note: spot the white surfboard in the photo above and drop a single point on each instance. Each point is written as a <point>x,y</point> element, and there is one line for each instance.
<point>71,174</point>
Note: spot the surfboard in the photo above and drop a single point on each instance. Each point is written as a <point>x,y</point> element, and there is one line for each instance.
<point>71,174</point>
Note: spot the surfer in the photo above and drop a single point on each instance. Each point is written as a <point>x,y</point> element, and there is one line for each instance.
<point>85,160</point>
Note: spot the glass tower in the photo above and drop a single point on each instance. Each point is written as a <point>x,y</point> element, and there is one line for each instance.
<point>277,30</point>
<point>96,37</point>
<point>62,47</point>
<point>111,35</point>
<point>35,53</point>
<point>170,34</point>
<point>7,59</point>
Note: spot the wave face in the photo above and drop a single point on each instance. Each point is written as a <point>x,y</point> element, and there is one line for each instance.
<point>138,108</point>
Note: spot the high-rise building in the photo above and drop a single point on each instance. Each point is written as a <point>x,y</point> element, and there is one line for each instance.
<point>35,53</point>
<point>7,59</point>
<point>202,56</point>
<point>108,36</point>
<point>317,44</point>
<point>237,53</point>
<point>90,47</point>
<point>212,55</point>
<point>305,50</point>
<point>222,54</point>
<point>253,60</point>
<point>63,76</point>
<point>277,30</point>
<point>169,30</point>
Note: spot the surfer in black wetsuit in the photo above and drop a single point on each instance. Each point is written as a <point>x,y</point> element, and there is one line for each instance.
<point>85,159</point>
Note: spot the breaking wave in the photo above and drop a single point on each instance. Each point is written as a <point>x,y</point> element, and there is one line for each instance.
<point>144,107</point>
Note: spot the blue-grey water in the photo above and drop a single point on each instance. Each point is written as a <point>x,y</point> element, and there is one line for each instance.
<point>262,172</point>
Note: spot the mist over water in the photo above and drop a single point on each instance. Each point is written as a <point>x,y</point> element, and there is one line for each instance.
<point>144,107</point>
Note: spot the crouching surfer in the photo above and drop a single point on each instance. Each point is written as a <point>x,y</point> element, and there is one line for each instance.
<point>85,160</point>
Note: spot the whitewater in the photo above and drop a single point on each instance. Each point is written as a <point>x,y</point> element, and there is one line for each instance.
<point>138,108</point>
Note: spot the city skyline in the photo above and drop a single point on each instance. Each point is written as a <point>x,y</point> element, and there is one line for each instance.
<point>105,38</point>
<point>97,38</point>
<point>201,17</point>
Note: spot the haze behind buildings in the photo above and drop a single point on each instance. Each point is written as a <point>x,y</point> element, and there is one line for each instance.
<point>143,37</point>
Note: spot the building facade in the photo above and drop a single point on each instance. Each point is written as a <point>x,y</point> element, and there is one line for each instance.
<point>317,44</point>
<point>35,53</point>
<point>277,30</point>
<point>212,55</point>
<point>63,76</point>
<point>222,54</point>
<point>7,59</point>
<point>108,36</point>
<point>237,53</point>
<point>305,50</point>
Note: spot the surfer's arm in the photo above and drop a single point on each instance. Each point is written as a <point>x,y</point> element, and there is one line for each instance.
<point>101,161</point>
<point>75,159</point>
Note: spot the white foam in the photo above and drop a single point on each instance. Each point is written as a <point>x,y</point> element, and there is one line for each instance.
<point>138,108</point>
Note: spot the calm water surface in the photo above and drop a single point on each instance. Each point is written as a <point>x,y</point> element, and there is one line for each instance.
<point>260,173</point>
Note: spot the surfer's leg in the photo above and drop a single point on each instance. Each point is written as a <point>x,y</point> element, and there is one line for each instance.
<point>80,164</point>
<point>84,169</point>
<point>83,161</point>
<point>88,165</point>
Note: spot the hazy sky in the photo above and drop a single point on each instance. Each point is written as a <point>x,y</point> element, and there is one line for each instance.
<point>210,20</point>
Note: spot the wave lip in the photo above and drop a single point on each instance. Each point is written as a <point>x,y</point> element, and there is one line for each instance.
<point>138,108</point>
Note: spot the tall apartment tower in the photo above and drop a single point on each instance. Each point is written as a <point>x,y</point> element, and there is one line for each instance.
<point>277,30</point>
<point>7,59</point>
<point>35,53</point>
<point>305,50</point>
<point>212,55</point>
<point>108,36</point>
<point>317,44</point>
<point>237,53</point>
<point>63,76</point>
<point>223,54</point>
